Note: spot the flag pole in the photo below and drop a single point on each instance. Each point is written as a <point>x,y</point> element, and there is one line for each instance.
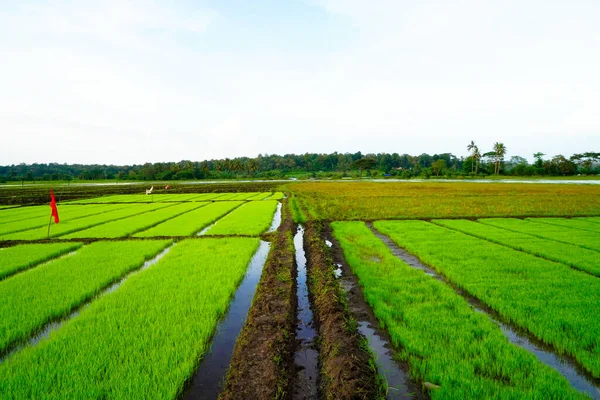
<point>49,222</point>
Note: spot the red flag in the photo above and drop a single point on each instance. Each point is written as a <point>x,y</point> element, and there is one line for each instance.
<point>53,206</point>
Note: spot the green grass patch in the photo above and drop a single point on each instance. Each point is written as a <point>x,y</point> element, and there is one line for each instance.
<point>128,226</point>
<point>573,223</point>
<point>277,196</point>
<point>17,258</point>
<point>142,341</point>
<point>252,218</point>
<point>569,254</point>
<point>585,239</point>
<point>192,222</point>
<point>443,339</point>
<point>51,290</point>
<point>559,305</point>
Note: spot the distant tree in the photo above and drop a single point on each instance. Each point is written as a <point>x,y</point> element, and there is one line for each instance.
<point>500,152</point>
<point>438,166</point>
<point>365,163</point>
<point>472,147</point>
<point>538,159</point>
<point>562,166</point>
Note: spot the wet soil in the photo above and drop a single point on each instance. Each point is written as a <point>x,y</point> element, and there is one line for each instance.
<point>395,373</point>
<point>345,363</point>
<point>262,366</point>
<point>565,365</point>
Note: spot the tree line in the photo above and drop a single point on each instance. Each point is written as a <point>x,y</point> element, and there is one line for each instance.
<point>336,165</point>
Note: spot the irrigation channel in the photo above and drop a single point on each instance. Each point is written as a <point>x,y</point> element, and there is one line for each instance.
<point>396,375</point>
<point>306,356</point>
<point>577,377</point>
<point>208,378</point>
<point>56,324</point>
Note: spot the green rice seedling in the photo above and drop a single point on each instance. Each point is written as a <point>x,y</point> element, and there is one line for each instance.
<point>259,196</point>
<point>142,341</point>
<point>557,304</point>
<point>277,196</point>
<point>573,223</point>
<point>251,219</point>
<point>68,226</point>
<point>17,258</point>
<point>586,239</point>
<point>568,254</point>
<point>442,338</point>
<point>128,226</point>
<point>66,213</point>
<point>23,213</point>
<point>36,296</point>
<point>232,196</point>
<point>192,222</point>
<point>595,220</point>
<point>242,196</point>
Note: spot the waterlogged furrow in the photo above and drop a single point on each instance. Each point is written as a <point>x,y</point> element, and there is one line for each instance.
<point>67,226</point>
<point>574,223</point>
<point>66,213</point>
<point>141,341</point>
<point>252,218</point>
<point>443,339</point>
<point>568,254</point>
<point>126,227</point>
<point>50,291</point>
<point>557,304</point>
<point>191,222</point>
<point>585,239</point>
<point>17,258</point>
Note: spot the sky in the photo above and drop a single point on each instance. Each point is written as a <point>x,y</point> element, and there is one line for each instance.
<point>129,82</point>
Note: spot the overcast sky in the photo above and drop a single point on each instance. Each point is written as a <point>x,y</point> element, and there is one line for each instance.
<point>126,82</point>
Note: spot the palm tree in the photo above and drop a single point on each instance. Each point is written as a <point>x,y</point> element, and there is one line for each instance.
<point>500,150</point>
<point>476,158</point>
<point>472,147</point>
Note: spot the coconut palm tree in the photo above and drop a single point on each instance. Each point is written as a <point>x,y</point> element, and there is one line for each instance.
<point>500,150</point>
<point>476,158</point>
<point>472,147</point>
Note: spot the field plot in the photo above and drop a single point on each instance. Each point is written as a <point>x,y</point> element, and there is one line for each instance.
<point>570,223</point>
<point>569,254</point>
<point>142,341</point>
<point>251,219</point>
<point>276,196</point>
<point>22,213</point>
<point>557,304</point>
<point>52,290</point>
<point>586,239</point>
<point>65,213</point>
<point>128,226</point>
<point>443,339</point>
<point>260,196</point>
<point>335,201</point>
<point>17,258</point>
<point>67,226</point>
<point>192,222</point>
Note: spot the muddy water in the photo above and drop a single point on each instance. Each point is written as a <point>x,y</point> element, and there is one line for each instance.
<point>57,324</point>
<point>306,356</point>
<point>578,378</point>
<point>276,219</point>
<point>208,378</point>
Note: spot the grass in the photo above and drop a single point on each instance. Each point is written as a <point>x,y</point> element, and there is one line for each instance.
<point>443,339</point>
<point>128,226</point>
<point>558,305</point>
<point>568,254</point>
<point>67,226</point>
<point>579,223</point>
<point>335,201</point>
<point>52,290</point>
<point>297,214</point>
<point>142,341</point>
<point>251,219</point>
<point>66,213</point>
<point>17,258</point>
<point>192,222</point>
<point>585,239</point>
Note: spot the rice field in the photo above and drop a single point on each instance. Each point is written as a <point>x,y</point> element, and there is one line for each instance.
<point>125,296</point>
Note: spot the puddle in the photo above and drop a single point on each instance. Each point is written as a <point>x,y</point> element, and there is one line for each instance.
<point>577,377</point>
<point>52,326</point>
<point>276,219</point>
<point>386,366</point>
<point>306,356</point>
<point>208,378</point>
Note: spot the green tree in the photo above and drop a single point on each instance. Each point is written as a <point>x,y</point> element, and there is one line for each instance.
<point>499,153</point>
<point>538,159</point>
<point>472,147</point>
<point>438,166</point>
<point>364,163</point>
